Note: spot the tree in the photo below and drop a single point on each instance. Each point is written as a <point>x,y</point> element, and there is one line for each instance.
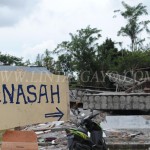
<point>10,60</point>
<point>39,60</point>
<point>82,50</point>
<point>45,60</point>
<point>107,61</point>
<point>27,62</point>
<point>134,26</point>
<point>107,55</point>
<point>48,60</point>
<point>132,61</point>
<point>65,64</point>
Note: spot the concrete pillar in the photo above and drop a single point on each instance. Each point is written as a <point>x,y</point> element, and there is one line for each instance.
<point>135,103</point>
<point>103,102</point>
<point>129,101</point>
<point>85,105</point>
<point>97,102</point>
<point>97,99</point>
<point>91,99</point>
<point>110,102</point>
<point>84,99</point>
<point>141,103</point>
<point>123,102</point>
<point>116,102</point>
<point>91,106</point>
<point>147,102</point>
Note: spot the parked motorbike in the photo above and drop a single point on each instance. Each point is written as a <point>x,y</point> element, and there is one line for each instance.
<point>78,138</point>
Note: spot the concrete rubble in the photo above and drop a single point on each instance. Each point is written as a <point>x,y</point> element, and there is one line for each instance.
<point>52,136</point>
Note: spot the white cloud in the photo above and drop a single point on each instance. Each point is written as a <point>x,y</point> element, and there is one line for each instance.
<point>12,11</point>
<point>41,24</point>
<point>31,52</point>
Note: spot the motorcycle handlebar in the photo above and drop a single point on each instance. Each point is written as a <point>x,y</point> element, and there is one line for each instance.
<point>93,115</point>
<point>88,118</point>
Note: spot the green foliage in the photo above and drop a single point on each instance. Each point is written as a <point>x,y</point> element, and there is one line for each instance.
<point>90,60</point>
<point>134,26</point>
<point>133,61</point>
<point>65,64</point>
<point>107,54</point>
<point>85,56</point>
<point>27,63</point>
<point>81,52</point>
<point>86,60</point>
<point>10,60</point>
<point>39,60</point>
<point>48,60</point>
<point>45,60</point>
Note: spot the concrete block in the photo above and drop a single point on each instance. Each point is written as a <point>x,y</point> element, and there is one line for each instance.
<point>110,102</point>
<point>135,103</point>
<point>141,103</point>
<point>86,105</point>
<point>116,102</point>
<point>104,102</point>
<point>123,102</point>
<point>147,102</point>
<point>129,101</point>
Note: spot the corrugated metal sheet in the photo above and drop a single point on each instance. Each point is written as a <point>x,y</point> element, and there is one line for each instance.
<point>25,68</point>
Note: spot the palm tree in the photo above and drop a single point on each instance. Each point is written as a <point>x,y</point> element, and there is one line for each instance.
<point>134,27</point>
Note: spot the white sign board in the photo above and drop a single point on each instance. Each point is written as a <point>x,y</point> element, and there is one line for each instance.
<point>29,98</point>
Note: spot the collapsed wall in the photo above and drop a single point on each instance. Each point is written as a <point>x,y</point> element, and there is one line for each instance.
<point>113,100</point>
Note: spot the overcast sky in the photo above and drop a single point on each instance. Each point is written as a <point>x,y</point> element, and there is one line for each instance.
<point>28,27</point>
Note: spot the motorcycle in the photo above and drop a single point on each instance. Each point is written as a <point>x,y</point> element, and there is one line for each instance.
<point>78,138</point>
